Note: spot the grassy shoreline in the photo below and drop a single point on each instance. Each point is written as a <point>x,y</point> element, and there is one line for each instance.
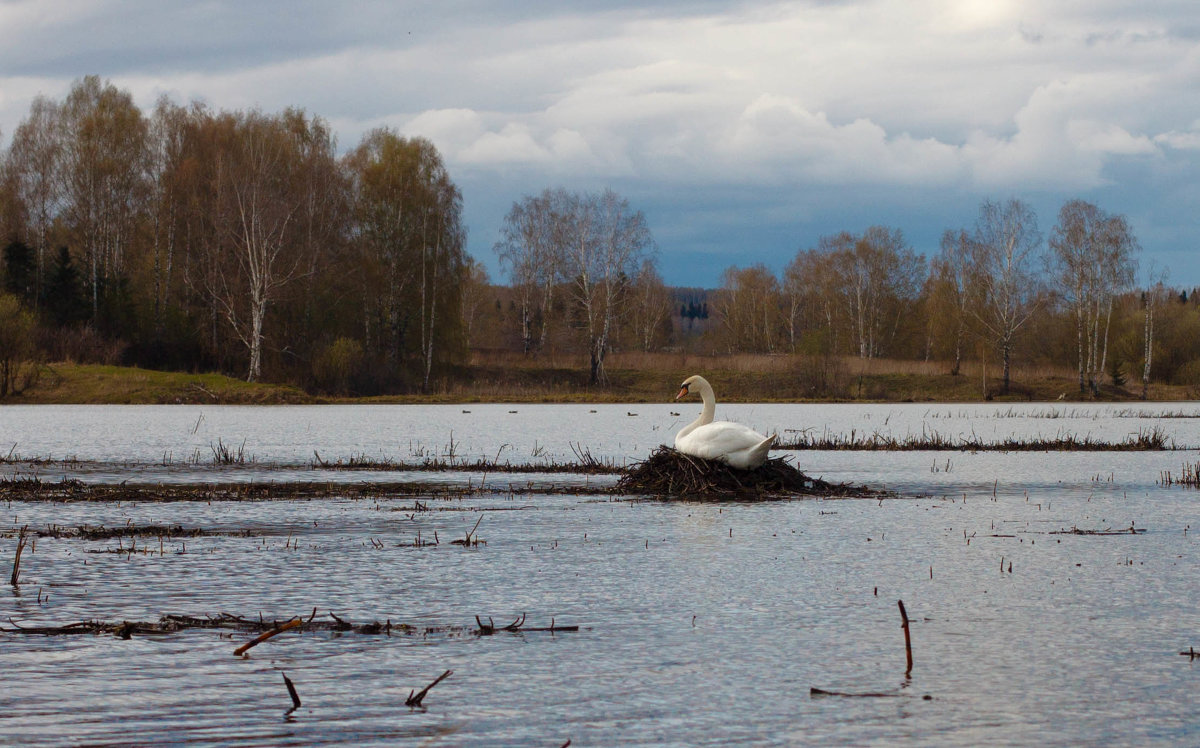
<point>632,380</point>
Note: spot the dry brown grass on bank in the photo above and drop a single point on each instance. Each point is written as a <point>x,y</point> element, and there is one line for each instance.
<point>683,364</point>
<point>633,377</point>
<point>100,384</point>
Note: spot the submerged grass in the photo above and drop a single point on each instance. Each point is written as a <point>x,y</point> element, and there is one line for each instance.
<point>587,464</point>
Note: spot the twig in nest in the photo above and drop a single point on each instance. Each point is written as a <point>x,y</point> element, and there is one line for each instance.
<point>415,700</point>
<point>267,635</point>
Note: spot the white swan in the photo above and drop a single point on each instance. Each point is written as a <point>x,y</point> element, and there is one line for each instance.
<point>732,443</point>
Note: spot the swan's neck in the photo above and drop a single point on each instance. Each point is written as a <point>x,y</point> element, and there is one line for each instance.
<point>706,415</point>
<point>710,403</point>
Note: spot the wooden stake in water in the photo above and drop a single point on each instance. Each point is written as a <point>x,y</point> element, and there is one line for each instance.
<point>16,570</point>
<point>907,638</point>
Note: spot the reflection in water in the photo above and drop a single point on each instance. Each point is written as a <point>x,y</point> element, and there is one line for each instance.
<point>700,623</point>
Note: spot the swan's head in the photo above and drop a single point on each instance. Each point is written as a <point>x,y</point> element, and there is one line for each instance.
<point>687,383</point>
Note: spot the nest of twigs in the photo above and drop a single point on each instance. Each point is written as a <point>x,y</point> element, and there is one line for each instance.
<point>670,473</point>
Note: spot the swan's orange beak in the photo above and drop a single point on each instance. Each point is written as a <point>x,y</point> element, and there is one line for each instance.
<point>682,391</point>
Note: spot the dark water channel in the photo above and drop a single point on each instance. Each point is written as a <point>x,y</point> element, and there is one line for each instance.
<point>699,623</point>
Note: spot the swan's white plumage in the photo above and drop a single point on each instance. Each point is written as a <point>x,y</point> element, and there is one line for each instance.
<point>732,443</point>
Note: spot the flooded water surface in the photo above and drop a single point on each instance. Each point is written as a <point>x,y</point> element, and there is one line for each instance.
<point>1049,594</point>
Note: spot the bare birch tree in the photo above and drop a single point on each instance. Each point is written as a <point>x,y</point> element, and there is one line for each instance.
<point>950,292</point>
<point>1154,297</point>
<point>407,230</point>
<point>809,287</point>
<point>748,306</point>
<point>1005,248</point>
<point>1092,261</point>
<point>167,145</point>
<point>593,244</point>
<point>606,241</point>
<point>103,170</point>
<point>532,252</point>
<point>875,276</point>
<point>443,237</point>
<point>474,292</point>
<point>257,191</point>
<point>650,305</point>
<point>34,162</point>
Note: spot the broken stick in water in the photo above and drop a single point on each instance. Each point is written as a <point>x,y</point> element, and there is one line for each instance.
<point>907,638</point>
<point>16,570</point>
<point>291,692</point>
<point>415,700</point>
<point>297,621</point>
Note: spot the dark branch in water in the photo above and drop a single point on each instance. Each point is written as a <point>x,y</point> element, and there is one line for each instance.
<point>415,700</point>
<point>1131,530</point>
<point>291,692</point>
<point>16,567</point>
<point>907,638</point>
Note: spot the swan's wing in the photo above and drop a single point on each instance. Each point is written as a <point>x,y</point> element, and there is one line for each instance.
<point>717,440</point>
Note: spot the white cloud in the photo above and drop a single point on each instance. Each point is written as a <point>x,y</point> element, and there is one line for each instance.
<point>899,96</point>
<point>1105,137</point>
<point>1183,141</point>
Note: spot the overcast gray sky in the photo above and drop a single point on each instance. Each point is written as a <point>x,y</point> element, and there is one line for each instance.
<point>743,130</point>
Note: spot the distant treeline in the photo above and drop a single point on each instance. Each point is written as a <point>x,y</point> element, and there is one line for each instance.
<point>245,242</point>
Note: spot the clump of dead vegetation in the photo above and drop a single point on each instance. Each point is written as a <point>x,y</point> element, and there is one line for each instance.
<point>170,624</point>
<point>1189,475</point>
<point>670,473</point>
<point>33,488</point>
<point>1145,440</point>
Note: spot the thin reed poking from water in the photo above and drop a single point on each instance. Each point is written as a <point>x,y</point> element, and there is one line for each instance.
<point>1189,476</point>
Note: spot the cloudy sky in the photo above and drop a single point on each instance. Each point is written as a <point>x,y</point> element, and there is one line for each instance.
<point>743,130</point>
